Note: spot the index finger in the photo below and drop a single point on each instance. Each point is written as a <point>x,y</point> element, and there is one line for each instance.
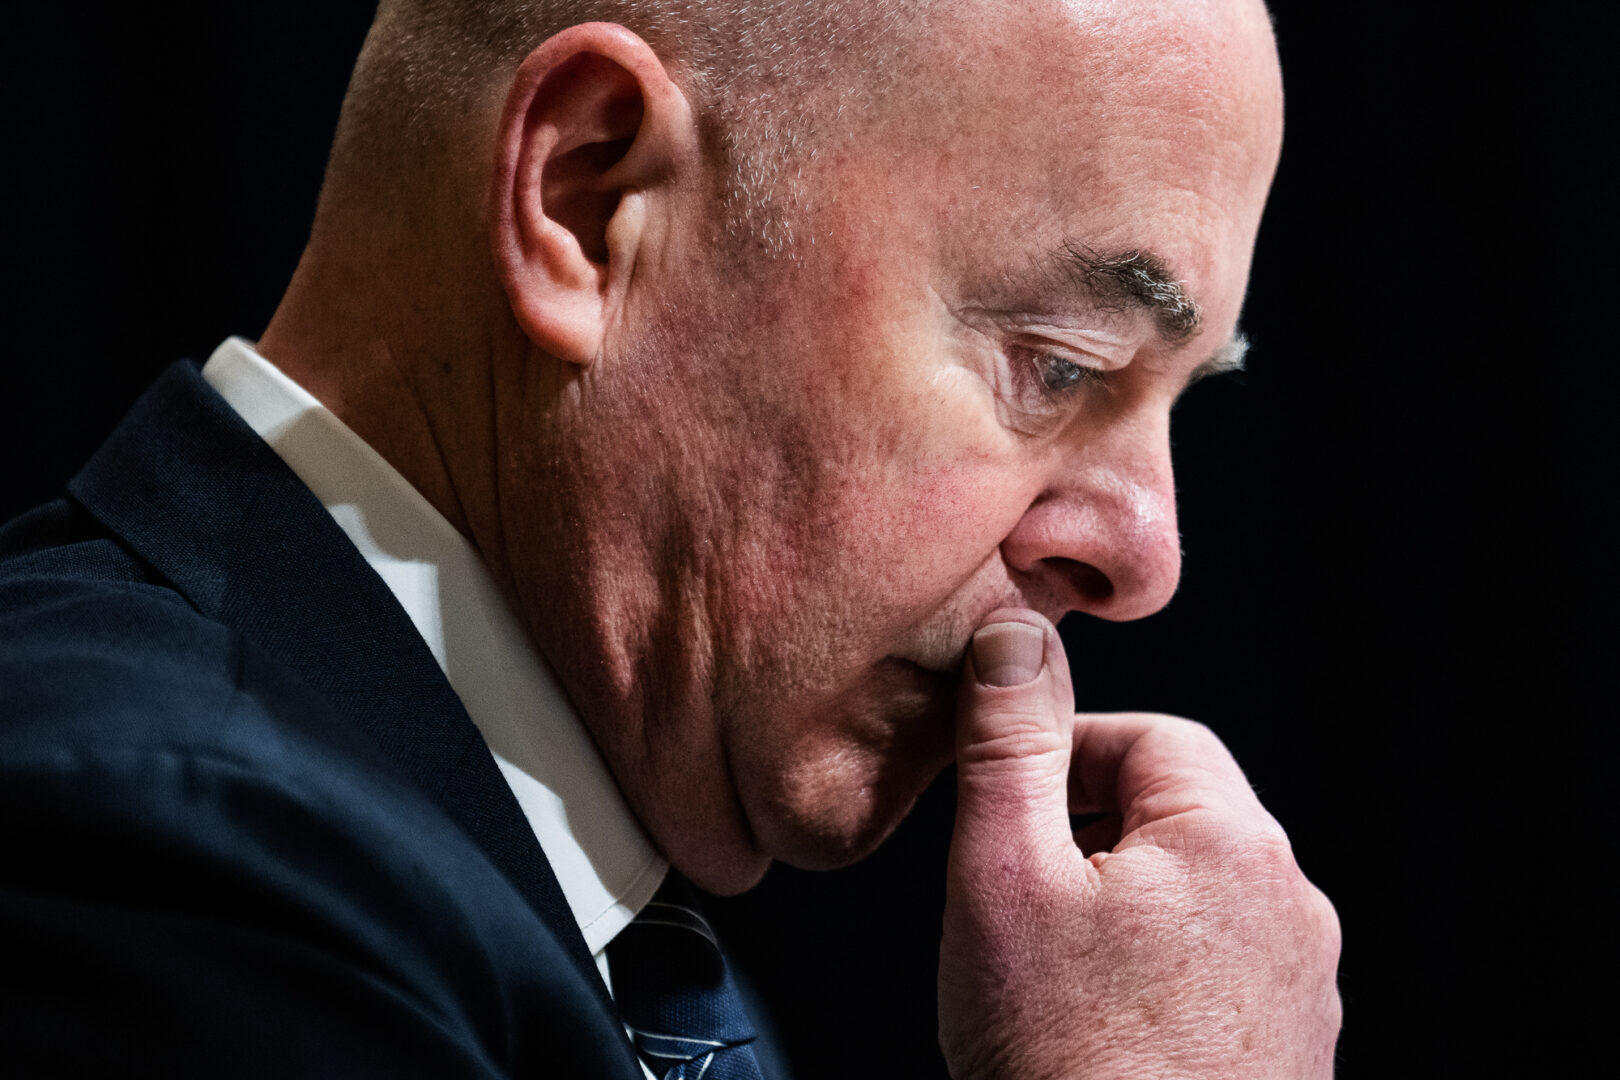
<point>1147,767</point>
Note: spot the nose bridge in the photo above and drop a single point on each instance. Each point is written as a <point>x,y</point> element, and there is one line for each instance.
<point>1102,537</point>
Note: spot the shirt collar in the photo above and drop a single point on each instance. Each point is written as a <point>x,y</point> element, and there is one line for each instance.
<point>605,864</point>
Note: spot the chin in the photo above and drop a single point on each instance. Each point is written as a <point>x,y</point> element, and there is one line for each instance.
<point>830,806</point>
<point>724,876</point>
<point>821,783</point>
<point>822,845</point>
<point>831,830</point>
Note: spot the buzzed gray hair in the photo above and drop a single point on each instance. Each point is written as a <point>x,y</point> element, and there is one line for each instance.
<point>768,79</point>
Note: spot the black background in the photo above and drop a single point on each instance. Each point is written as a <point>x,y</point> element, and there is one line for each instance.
<point>1399,525</point>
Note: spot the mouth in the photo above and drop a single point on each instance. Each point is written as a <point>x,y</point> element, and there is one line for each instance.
<point>943,669</point>
<point>942,677</point>
<point>920,689</point>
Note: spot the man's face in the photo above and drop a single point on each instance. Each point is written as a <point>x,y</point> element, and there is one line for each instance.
<point>929,415</point>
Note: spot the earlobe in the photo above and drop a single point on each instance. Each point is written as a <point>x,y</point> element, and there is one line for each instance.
<point>593,126</point>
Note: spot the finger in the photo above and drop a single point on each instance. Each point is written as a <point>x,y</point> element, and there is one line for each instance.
<point>1013,742</point>
<point>1149,768</point>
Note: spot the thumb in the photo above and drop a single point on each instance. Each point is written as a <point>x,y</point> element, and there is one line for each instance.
<point>1014,735</point>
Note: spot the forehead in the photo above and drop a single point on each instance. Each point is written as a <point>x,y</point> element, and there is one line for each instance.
<point>1149,125</point>
<point>1083,71</point>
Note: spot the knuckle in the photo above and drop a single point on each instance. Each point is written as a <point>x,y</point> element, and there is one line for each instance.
<point>1334,1009</point>
<point>1195,745</point>
<point>1256,851</point>
<point>1168,725</point>
<point>1272,841</point>
<point>1330,933</point>
<point>1204,746</point>
<point>1012,745</point>
<point>1013,734</point>
<point>1195,734</point>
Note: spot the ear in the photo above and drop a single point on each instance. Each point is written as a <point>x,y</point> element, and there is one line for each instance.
<point>593,131</point>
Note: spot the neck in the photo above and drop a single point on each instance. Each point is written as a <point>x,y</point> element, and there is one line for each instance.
<point>390,352</point>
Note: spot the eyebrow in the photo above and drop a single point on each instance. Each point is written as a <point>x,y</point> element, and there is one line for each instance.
<point>1132,281</point>
<point>1139,281</point>
<point>1225,360</point>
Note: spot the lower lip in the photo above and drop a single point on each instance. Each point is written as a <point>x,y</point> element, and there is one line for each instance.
<point>934,686</point>
<point>928,698</point>
<point>899,663</point>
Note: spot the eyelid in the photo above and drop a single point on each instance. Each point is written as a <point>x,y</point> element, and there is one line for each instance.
<point>1016,341</point>
<point>1089,359</point>
<point>1085,335</point>
<point>1103,352</point>
<point>1031,405</point>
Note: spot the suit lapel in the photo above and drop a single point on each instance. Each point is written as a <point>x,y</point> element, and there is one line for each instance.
<point>198,495</point>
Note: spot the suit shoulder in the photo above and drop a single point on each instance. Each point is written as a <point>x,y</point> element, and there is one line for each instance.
<point>186,813</point>
<point>108,667</point>
<point>202,881</point>
<point>89,642</point>
<point>85,626</point>
<point>60,540</point>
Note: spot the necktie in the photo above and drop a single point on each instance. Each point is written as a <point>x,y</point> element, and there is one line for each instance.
<point>670,981</point>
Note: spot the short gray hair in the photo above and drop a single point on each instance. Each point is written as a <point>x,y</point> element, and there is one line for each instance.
<point>768,81</point>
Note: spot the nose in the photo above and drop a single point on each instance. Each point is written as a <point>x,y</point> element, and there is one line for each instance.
<point>1101,537</point>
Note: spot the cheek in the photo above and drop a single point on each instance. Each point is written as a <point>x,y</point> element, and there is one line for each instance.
<point>946,468</point>
<point>955,511</point>
<point>919,533</point>
<point>893,481</point>
<point>928,487</point>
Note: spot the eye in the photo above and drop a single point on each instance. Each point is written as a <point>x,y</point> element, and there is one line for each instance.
<point>1058,374</point>
<point>1044,388</point>
<point>1052,378</point>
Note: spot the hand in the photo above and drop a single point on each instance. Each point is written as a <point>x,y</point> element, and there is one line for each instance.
<point>1192,946</point>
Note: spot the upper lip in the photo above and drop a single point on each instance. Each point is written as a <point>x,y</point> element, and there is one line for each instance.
<point>942,641</point>
<point>946,668</point>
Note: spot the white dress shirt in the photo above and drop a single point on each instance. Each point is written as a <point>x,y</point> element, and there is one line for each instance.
<point>607,867</point>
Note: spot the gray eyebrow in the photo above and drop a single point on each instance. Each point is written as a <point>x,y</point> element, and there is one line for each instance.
<point>1132,281</point>
<point>1226,359</point>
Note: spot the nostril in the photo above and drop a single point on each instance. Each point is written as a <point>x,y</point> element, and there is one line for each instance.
<point>1088,584</point>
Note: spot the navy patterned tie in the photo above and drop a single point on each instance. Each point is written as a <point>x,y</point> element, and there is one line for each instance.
<point>678,1000</point>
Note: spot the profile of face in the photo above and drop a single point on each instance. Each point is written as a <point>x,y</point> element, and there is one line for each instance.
<point>823,472</point>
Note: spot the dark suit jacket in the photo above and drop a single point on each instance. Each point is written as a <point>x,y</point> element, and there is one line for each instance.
<point>248,828</point>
